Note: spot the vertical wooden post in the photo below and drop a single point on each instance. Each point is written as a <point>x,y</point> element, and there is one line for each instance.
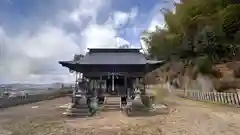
<point>186,85</point>
<point>237,99</point>
<point>125,85</point>
<point>100,84</point>
<point>112,81</point>
<point>146,71</point>
<point>224,98</point>
<point>217,95</point>
<point>144,83</point>
<point>221,97</point>
<point>144,79</point>
<point>234,98</point>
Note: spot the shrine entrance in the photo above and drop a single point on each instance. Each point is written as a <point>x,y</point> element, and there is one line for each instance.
<point>114,84</point>
<point>117,85</point>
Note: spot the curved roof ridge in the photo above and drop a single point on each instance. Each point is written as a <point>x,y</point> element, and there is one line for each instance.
<point>114,50</point>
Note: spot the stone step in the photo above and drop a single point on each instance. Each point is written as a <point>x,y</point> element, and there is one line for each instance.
<point>81,106</point>
<point>112,103</point>
<point>111,107</point>
<point>107,103</point>
<point>113,98</point>
<point>77,114</point>
<point>74,110</point>
<point>80,112</point>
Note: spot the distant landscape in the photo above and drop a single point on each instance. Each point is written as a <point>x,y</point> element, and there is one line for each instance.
<point>17,89</point>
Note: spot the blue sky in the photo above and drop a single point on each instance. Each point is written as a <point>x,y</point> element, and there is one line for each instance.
<point>35,34</point>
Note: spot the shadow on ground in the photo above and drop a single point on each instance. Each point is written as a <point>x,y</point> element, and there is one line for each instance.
<point>157,111</point>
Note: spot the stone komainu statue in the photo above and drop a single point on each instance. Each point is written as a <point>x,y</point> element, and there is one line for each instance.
<point>136,104</point>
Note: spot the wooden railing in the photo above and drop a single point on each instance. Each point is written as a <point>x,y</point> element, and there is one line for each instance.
<point>216,97</point>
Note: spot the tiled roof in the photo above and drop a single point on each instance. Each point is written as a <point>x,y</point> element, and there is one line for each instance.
<point>112,57</point>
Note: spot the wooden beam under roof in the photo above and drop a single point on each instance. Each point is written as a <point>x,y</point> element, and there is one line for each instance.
<point>127,74</point>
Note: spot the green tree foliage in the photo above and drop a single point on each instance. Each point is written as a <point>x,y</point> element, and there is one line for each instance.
<point>198,28</point>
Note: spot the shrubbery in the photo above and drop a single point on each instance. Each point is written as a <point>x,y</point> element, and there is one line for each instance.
<point>204,65</point>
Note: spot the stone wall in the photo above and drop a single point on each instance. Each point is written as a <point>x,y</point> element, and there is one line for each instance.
<point>14,101</point>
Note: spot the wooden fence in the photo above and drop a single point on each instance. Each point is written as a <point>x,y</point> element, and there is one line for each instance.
<point>216,97</point>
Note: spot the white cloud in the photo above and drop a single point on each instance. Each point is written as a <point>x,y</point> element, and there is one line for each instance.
<point>157,21</point>
<point>48,42</point>
<point>99,36</point>
<point>25,55</point>
<point>121,41</point>
<point>105,35</point>
<point>133,13</point>
<point>33,57</point>
<point>123,18</point>
<point>102,36</point>
<point>87,8</point>
<point>157,17</point>
<point>120,18</point>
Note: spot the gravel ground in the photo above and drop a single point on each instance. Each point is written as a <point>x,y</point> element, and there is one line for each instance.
<point>186,117</point>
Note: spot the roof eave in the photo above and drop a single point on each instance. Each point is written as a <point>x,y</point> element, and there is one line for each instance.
<point>155,62</point>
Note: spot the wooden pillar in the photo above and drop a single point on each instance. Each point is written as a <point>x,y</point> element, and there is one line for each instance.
<point>144,83</point>
<point>100,81</point>
<point>145,78</point>
<point>76,84</point>
<point>112,81</point>
<point>125,84</point>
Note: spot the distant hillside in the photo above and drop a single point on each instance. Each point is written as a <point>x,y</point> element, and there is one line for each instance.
<point>224,77</point>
